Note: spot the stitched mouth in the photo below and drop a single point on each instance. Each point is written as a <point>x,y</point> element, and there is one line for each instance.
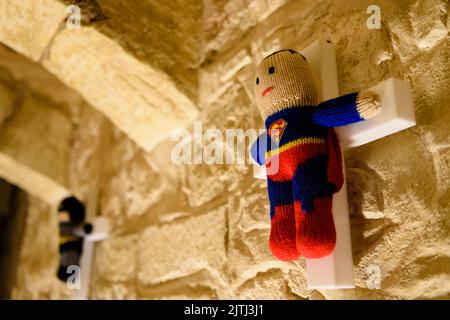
<point>267,90</point>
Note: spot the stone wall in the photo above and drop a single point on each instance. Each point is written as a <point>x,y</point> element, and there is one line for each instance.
<point>38,257</point>
<point>201,231</point>
<point>133,61</point>
<point>35,127</point>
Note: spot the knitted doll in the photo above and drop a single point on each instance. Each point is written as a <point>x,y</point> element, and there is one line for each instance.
<point>302,153</point>
<point>72,229</point>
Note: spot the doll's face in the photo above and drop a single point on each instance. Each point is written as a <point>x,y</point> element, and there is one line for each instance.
<point>284,80</point>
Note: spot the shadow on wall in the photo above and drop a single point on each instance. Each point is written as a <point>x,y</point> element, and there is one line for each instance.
<point>366,208</point>
<point>13,213</point>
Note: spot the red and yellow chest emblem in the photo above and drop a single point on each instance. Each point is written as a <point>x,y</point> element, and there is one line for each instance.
<point>276,130</point>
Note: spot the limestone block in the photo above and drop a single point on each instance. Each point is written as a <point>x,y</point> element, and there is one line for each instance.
<point>111,64</point>
<point>268,285</point>
<point>432,29</point>
<point>215,79</point>
<point>28,26</point>
<point>276,39</point>
<point>104,290</point>
<point>34,148</point>
<point>226,22</point>
<point>194,187</point>
<point>432,261</point>
<point>204,183</point>
<point>200,285</point>
<point>116,258</point>
<point>250,210</point>
<point>183,248</point>
<point>87,153</point>
<point>249,255</point>
<point>61,106</point>
<point>119,149</point>
<point>131,191</point>
<point>233,65</point>
<point>441,156</point>
<point>406,222</point>
<point>22,70</point>
<point>31,181</point>
<point>38,135</point>
<point>163,34</point>
<point>8,96</point>
<point>297,282</point>
<point>365,191</point>
<point>431,94</point>
<point>233,111</point>
<point>140,100</point>
<point>38,261</point>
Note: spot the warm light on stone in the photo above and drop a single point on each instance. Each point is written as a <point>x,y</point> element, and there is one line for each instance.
<point>90,112</point>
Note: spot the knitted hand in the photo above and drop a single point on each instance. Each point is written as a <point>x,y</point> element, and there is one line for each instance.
<point>368,104</point>
<point>347,109</point>
<point>305,149</point>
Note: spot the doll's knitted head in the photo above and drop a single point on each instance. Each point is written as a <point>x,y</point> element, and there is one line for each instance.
<point>284,80</point>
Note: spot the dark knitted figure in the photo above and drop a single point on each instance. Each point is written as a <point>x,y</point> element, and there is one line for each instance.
<point>302,153</point>
<point>72,229</point>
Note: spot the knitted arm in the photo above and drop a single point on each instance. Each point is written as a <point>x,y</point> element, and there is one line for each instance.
<point>347,109</point>
<point>258,149</point>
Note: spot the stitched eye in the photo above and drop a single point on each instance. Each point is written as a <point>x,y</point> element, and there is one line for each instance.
<point>271,70</point>
<point>257,81</point>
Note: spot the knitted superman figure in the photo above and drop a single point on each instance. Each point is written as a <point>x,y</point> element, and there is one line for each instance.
<point>302,153</point>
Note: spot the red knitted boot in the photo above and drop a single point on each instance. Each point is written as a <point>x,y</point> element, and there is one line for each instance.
<point>316,234</point>
<point>282,233</point>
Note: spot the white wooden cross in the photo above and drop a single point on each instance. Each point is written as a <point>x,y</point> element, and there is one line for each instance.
<point>101,229</point>
<point>397,113</point>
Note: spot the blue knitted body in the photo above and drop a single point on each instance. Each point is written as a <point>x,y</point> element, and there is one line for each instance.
<point>308,120</point>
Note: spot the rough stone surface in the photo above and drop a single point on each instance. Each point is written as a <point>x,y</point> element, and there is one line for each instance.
<point>31,121</point>
<point>19,139</point>
<point>29,26</point>
<point>201,231</point>
<point>131,191</point>
<point>106,259</point>
<point>38,258</point>
<point>114,62</point>
<point>183,248</point>
<point>97,72</point>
